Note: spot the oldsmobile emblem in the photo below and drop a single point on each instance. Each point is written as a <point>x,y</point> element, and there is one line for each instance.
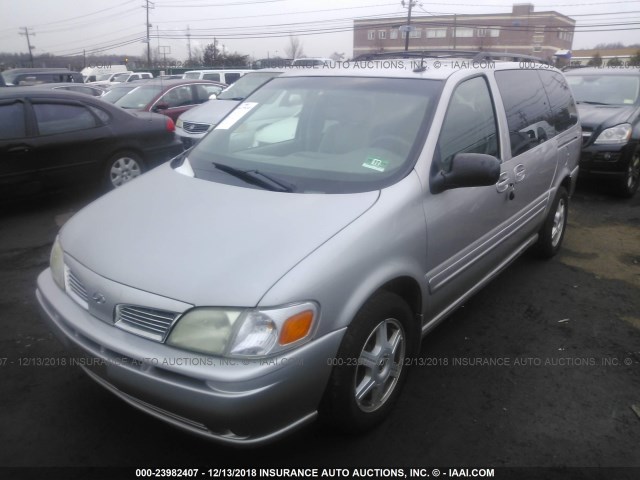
<point>99,298</point>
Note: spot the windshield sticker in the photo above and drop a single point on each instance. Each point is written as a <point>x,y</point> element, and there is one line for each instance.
<point>376,164</point>
<point>239,112</point>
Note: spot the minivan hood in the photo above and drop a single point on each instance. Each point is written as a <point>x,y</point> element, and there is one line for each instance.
<point>202,242</point>
<point>210,112</point>
<point>594,116</point>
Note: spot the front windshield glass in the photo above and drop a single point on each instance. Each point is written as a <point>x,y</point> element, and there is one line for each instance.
<point>140,97</point>
<point>605,89</point>
<point>246,84</point>
<point>103,77</point>
<point>321,134</point>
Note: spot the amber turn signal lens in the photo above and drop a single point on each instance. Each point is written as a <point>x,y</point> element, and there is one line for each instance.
<point>296,327</point>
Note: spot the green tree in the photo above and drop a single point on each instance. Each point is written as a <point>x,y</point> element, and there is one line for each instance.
<point>596,60</point>
<point>635,60</point>
<point>615,62</point>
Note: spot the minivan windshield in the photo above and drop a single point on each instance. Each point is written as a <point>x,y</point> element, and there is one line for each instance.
<point>246,84</point>
<point>320,134</point>
<point>605,89</point>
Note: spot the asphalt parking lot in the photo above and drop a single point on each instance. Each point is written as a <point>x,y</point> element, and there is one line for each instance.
<point>539,369</point>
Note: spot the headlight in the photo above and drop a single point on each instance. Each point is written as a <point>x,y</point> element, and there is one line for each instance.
<point>179,123</point>
<point>615,135</point>
<point>56,262</point>
<point>244,333</point>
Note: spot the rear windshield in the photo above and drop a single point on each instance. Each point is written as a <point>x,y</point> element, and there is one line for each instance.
<point>140,97</point>
<point>321,134</point>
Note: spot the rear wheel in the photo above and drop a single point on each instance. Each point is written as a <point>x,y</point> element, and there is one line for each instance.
<point>552,232</point>
<point>122,168</point>
<point>370,367</point>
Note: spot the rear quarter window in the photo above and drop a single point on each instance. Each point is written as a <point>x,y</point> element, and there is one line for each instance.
<point>563,108</point>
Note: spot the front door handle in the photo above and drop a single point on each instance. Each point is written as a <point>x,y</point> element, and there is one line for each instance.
<point>519,173</point>
<point>503,182</point>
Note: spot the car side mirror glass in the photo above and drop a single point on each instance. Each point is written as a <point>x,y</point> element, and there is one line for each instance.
<point>467,170</point>
<point>160,106</point>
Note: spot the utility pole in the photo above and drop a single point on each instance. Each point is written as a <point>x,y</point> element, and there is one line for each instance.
<point>408,32</point>
<point>189,43</point>
<point>25,32</point>
<point>147,7</point>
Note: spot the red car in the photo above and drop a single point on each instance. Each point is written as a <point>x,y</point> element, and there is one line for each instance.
<point>170,97</point>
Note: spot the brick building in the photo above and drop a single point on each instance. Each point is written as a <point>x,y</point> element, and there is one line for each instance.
<point>522,31</point>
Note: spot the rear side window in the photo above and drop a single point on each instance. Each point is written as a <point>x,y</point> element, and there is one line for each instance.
<point>563,108</point>
<point>210,76</point>
<point>527,109</point>
<point>12,121</point>
<point>60,118</point>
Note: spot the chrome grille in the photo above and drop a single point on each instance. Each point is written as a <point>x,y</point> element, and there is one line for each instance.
<point>192,127</point>
<point>146,322</point>
<point>75,288</point>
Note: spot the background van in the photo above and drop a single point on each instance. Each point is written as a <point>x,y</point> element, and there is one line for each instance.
<point>34,76</point>
<point>224,76</point>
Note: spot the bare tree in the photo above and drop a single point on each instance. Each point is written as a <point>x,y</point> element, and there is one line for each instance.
<point>294,49</point>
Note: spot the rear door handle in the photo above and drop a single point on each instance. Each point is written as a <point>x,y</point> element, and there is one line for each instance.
<point>19,149</point>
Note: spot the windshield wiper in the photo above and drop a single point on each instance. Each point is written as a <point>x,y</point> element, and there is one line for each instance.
<point>256,177</point>
<point>592,103</point>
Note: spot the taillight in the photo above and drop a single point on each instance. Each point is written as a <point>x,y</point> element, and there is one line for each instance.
<point>171,127</point>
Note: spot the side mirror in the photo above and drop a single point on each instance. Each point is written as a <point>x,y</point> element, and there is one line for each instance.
<point>467,170</point>
<point>160,106</point>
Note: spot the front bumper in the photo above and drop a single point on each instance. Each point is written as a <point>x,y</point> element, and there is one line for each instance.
<point>606,160</point>
<point>188,139</point>
<point>232,401</point>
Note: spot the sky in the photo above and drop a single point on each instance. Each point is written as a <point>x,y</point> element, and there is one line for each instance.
<point>260,28</point>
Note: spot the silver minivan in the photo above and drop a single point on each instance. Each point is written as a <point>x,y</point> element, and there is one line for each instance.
<point>245,288</point>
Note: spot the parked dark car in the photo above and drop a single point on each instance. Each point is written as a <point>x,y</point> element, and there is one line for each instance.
<point>73,87</point>
<point>34,76</point>
<point>52,138</point>
<point>609,106</point>
<point>170,97</point>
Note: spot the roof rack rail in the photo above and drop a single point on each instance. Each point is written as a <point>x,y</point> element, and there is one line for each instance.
<point>476,55</point>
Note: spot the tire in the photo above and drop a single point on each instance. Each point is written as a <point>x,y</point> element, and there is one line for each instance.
<point>552,232</point>
<point>122,168</point>
<point>628,185</point>
<point>370,366</point>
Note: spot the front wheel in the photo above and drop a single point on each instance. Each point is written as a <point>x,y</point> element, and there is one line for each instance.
<point>122,168</point>
<point>628,185</point>
<point>552,232</point>
<point>370,367</point>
